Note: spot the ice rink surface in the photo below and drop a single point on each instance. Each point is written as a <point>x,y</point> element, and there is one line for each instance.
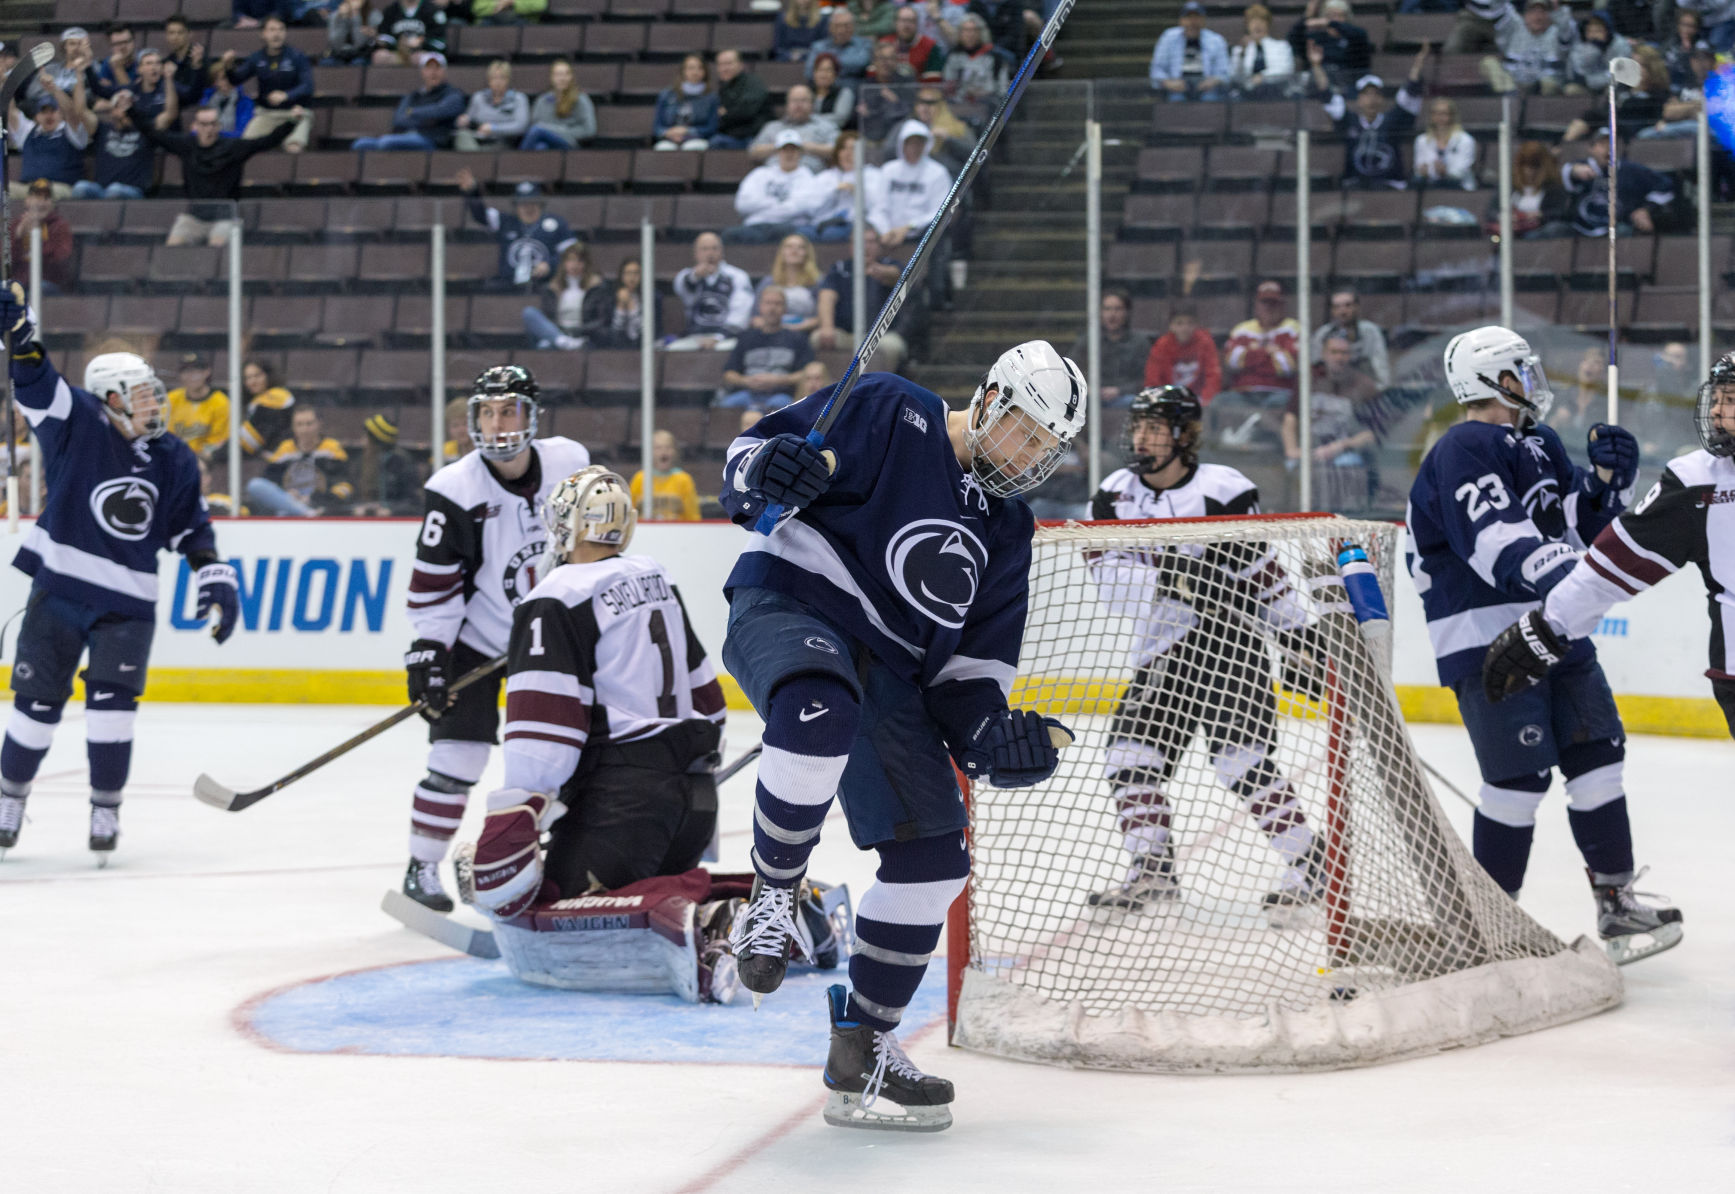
<point>144,1049</point>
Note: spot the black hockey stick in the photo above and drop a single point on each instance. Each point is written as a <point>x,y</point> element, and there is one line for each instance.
<point>724,775</point>
<point>919,258</point>
<point>217,796</point>
<point>21,73</point>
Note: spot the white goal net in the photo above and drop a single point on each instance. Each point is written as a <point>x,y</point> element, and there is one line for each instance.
<point>1239,864</point>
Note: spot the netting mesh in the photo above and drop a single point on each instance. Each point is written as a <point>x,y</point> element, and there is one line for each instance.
<point>1242,767</point>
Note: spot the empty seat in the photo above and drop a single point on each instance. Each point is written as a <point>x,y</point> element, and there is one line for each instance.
<point>1276,256</point>
<point>355,318</point>
<point>1453,262</point>
<point>638,8</point>
<point>1667,309</point>
<point>326,263</point>
<point>1234,213</point>
<point>149,219</point>
<point>513,166</point>
<point>326,170</point>
<point>675,39</point>
<point>182,265</point>
<point>620,126</point>
<point>1677,260</point>
<point>1217,260</point>
<point>1633,258</point>
<point>723,169</point>
<point>285,316</point>
<point>91,217</point>
<point>267,172</point>
<point>71,316</point>
<point>623,213</point>
<point>204,317</point>
<point>359,217</point>
<point>599,80</point>
<point>1263,117</point>
<point>1174,167</point>
<point>597,169</point>
<point>387,373</point>
<point>1154,217</point>
<point>391,82</point>
<point>486,41</point>
<point>1545,260</point>
<point>693,376</point>
<point>289,217</point>
<point>694,214</point>
<point>349,123</point>
<point>415,317</point>
<point>83,12</point>
<point>1143,266</point>
<point>664,170</point>
<point>558,372</point>
<point>644,80</point>
<point>602,429</point>
<point>616,40</point>
<point>1191,121</point>
<point>1588,309</point>
<point>320,371</point>
<point>753,38</point>
<point>499,315</point>
<point>613,374</point>
<point>393,263</point>
<point>1377,265</point>
<point>337,84</point>
<point>1239,167</point>
<point>1410,31</point>
<point>583,212</point>
<point>393,169</point>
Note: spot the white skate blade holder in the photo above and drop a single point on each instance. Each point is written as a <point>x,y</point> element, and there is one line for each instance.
<point>844,1110</point>
<point>1636,947</point>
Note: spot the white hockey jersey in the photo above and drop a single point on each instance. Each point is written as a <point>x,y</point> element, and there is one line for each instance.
<point>773,195</point>
<point>600,652</point>
<point>1169,596</point>
<point>909,196</point>
<point>480,543</point>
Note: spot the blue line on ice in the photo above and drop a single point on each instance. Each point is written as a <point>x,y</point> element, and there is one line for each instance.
<point>463,1007</point>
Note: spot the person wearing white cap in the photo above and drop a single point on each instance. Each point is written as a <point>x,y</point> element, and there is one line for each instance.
<point>780,197</point>
<point>1190,62</point>
<point>1372,129</point>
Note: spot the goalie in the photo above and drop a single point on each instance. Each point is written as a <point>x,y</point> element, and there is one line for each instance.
<point>613,728</point>
<point>1202,666</point>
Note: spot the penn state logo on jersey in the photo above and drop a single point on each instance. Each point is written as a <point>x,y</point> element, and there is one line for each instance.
<point>1542,498</point>
<point>937,566</point>
<point>520,575</point>
<point>124,507</point>
<point>527,252</point>
<point>711,304</point>
<point>1374,156</point>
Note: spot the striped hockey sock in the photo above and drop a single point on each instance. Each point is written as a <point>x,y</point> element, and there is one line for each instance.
<point>809,727</point>
<point>898,923</point>
<point>28,735</point>
<point>108,736</point>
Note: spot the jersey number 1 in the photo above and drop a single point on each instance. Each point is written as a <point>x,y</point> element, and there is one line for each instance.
<point>660,636</point>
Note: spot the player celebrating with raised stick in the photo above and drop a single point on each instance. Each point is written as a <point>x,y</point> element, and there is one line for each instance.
<point>875,628</point>
<point>1202,667</point>
<point>476,557</point>
<point>121,488</point>
<point>1495,515</point>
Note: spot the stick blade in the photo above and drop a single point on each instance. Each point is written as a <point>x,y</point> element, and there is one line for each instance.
<point>478,943</point>
<point>42,54</point>
<point>1625,71</point>
<point>210,792</point>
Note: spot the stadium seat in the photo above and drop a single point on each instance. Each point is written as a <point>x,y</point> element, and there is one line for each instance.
<point>1454,263</point>
<point>558,372</point>
<point>1144,267</point>
<point>1170,122</point>
<point>1175,168</point>
<point>1633,258</point>
<point>664,171</point>
<point>1410,31</point>
<point>1671,310</point>
<point>597,169</point>
<point>600,429</point>
<point>692,377</point>
<point>262,266</point>
<point>203,318</point>
<point>622,127</point>
<point>394,264</point>
<point>182,266</point>
<point>513,166</point>
<point>91,217</point>
<point>337,84</point>
<point>1275,257</point>
<point>1220,264</point>
<point>1255,119</point>
<point>1541,263</point>
<point>67,318</point>
<point>393,170</point>
<point>499,316</point>
<point>723,169</point>
<point>614,39</point>
<point>642,81</point>
<point>317,170</point>
<point>413,216</point>
<point>1589,309</point>
<point>289,219</point>
<point>487,41</point>
<point>294,317</point>
<point>1669,154</point>
<point>321,264</point>
<point>1374,265</point>
<point>621,214</point>
<point>350,319</point>
<point>114,267</point>
<point>1238,168</point>
<point>694,214</point>
<point>469,78</point>
<point>362,218</point>
<point>149,219</point>
<point>1234,213</point>
<point>753,38</point>
<point>1678,259</point>
<point>83,12</point>
<point>1156,217</point>
<point>1378,213</point>
<point>349,123</point>
<point>472,263</point>
<point>413,323</point>
<point>583,212</point>
<point>323,372</point>
<point>613,375</point>
<point>385,374</point>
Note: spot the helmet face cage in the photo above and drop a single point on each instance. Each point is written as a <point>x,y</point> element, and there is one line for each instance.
<point>1719,441</point>
<point>502,445</point>
<point>1007,454</point>
<point>1177,407</point>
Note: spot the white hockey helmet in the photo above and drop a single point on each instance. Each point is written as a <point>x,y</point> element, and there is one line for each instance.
<point>1475,361</point>
<point>141,406</point>
<point>1019,436</point>
<point>593,505</point>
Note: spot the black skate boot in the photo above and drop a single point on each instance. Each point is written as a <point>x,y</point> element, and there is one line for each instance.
<point>1631,930</point>
<point>11,822</point>
<point>867,1068</point>
<point>1150,880</point>
<point>766,935</point>
<point>104,831</point>
<point>422,884</point>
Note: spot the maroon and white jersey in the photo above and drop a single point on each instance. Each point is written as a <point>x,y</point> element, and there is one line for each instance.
<point>600,652</point>
<point>480,544</point>
<point>1688,517</point>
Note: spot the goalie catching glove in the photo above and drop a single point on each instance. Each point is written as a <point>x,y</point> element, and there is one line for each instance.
<point>1521,656</point>
<point>1013,748</point>
<point>508,859</point>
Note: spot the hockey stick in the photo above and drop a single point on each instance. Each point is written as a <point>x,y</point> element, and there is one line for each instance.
<point>728,773</point>
<point>455,934</point>
<point>218,796</point>
<point>1621,71</point>
<point>894,303</point>
<point>21,73</point>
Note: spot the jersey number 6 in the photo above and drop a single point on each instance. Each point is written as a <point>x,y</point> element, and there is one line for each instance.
<point>1476,504</point>
<point>433,528</point>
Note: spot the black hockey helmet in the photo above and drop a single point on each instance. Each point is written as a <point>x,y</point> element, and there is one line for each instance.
<point>1715,439</point>
<point>1176,406</point>
<point>503,381</point>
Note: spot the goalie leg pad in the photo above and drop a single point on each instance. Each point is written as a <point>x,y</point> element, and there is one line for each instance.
<point>898,924</point>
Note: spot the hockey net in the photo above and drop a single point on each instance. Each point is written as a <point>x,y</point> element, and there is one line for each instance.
<point>1406,946</point>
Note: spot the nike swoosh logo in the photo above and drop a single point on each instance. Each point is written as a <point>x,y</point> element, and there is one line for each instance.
<point>129,667</point>
<point>100,696</point>
<point>39,706</point>
<point>805,715</point>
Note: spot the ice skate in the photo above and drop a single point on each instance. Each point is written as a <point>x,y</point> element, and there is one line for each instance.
<point>422,884</point>
<point>104,831</point>
<point>868,1069</point>
<point>1301,884</point>
<point>11,822</point>
<point>718,977</point>
<point>826,917</point>
<point>766,935</point>
<point>1631,930</point>
<point>1150,880</point>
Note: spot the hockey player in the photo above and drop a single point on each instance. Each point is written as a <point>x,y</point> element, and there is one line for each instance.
<point>876,629</point>
<point>613,723</point>
<point>120,489</point>
<point>1496,516</point>
<point>476,557</point>
<point>1202,665</point>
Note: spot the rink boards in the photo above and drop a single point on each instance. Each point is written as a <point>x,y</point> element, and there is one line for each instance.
<point>323,621</point>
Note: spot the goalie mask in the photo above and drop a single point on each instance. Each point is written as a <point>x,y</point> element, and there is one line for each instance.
<point>508,392</point>
<point>1476,362</point>
<point>131,392</point>
<point>591,506</point>
<point>1018,436</point>
<point>1174,407</point>
<point>1714,416</point>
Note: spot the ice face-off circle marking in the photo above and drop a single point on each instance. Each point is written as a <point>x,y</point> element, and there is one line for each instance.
<point>463,1007</point>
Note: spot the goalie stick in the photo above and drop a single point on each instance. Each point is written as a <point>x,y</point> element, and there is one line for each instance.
<point>828,415</point>
<point>217,796</point>
<point>21,73</point>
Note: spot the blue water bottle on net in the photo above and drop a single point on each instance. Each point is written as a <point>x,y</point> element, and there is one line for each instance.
<point>1362,584</point>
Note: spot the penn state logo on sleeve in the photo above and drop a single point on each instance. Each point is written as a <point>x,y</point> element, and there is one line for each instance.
<point>937,567</point>
<point>520,575</point>
<point>124,507</point>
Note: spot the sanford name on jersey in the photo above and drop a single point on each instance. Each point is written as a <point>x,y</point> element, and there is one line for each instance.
<point>113,503</point>
<point>905,551</point>
<point>480,544</point>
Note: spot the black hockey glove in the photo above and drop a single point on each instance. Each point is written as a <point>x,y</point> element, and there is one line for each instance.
<point>788,471</point>
<point>15,317</point>
<point>1520,657</point>
<point>427,662</point>
<point>1013,748</point>
<point>1614,448</point>
<point>217,589</point>
<point>1302,662</point>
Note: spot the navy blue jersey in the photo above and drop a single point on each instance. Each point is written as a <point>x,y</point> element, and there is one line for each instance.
<point>905,551</point>
<point>1496,520</point>
<point>113,503</point>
